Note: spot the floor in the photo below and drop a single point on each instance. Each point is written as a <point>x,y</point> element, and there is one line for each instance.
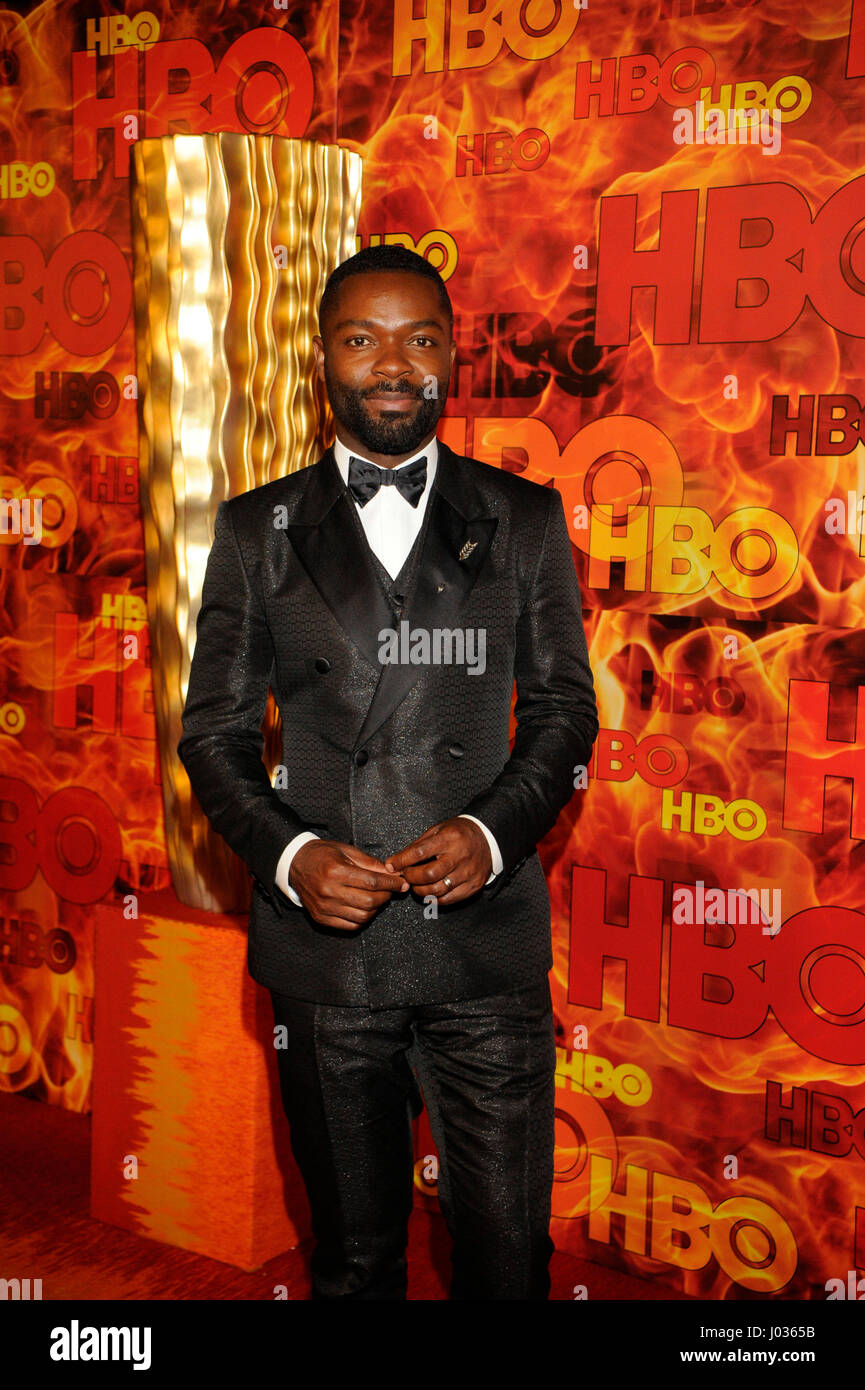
<point>46,1232</point>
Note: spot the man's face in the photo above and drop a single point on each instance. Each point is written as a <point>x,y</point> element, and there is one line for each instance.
<point>386,358</point>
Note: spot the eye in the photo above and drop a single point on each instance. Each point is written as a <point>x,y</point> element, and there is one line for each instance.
<point>357,338</point>
<point>422,340</point>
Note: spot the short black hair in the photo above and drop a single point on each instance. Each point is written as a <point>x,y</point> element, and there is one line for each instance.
<point>378,258</point>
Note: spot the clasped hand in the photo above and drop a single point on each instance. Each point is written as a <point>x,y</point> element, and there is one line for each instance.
<point>342,887</point>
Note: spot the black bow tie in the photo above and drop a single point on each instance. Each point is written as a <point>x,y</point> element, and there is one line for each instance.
<point>365,479</point>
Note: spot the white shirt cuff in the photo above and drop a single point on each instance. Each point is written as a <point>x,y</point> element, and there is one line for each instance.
<point>284,864</point>
<point>495,853</point>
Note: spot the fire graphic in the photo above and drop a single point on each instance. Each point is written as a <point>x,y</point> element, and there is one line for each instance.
<point>80,767</point>
<point>623,430</point>
<point>724,617</point>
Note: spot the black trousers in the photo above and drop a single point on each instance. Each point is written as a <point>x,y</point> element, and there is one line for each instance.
<point>486,1069</point>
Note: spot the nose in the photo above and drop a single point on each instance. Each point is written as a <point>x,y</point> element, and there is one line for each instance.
<point>392,362</point>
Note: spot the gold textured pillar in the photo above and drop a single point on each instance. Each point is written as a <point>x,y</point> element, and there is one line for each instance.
<point>234,237</point>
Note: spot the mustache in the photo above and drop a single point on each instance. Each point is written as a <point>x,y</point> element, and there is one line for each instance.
<point>404,388</point>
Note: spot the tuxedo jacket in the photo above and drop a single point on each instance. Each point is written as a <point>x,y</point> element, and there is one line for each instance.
<point>375,751</point>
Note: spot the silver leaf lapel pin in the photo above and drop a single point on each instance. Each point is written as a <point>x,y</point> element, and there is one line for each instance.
<point>467,549</point>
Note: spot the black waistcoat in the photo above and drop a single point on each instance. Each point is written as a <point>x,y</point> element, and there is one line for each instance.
<point>397,590</point>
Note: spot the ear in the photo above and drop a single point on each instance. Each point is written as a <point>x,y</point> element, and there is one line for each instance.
<point>318,350</point>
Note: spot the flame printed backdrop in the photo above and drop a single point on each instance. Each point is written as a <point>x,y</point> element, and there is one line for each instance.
<point>662,322</point>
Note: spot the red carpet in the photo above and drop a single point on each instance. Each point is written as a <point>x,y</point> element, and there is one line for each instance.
<point>47,1233</point>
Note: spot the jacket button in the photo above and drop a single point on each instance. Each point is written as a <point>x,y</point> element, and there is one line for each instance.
<point>322,665</point>
<point>361,758</point>
<point>456,750</point>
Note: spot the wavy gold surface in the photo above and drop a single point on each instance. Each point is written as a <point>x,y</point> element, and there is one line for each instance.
<point>234,237</point>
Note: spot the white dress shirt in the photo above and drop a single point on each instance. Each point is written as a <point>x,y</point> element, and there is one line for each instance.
<point>391,525</point>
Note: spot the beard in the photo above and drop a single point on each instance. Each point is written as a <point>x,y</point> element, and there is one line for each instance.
<point>397,434</point>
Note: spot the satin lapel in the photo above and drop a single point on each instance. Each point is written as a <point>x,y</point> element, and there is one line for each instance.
<point>459,523</point>
<point>334,556</point>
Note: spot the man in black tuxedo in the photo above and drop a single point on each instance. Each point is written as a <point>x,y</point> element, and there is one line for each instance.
<point>390,595</point>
